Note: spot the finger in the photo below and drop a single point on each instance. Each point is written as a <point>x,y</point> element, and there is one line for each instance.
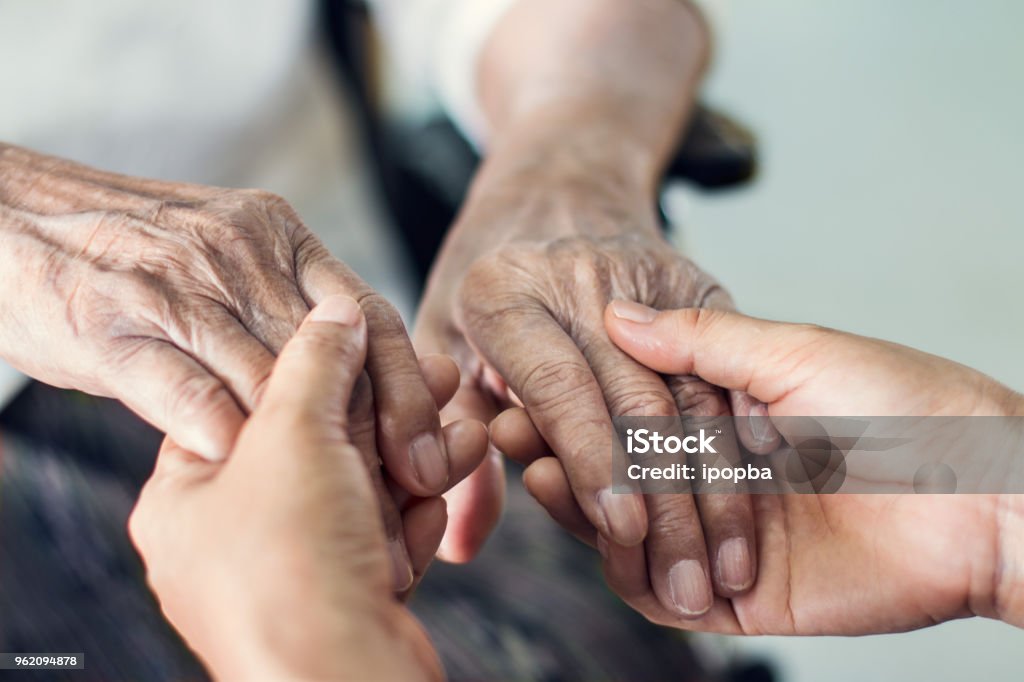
<point>728,529</point>
<point>176,394</point>
<point>479,501</point>
<point>676,538</point>
<point>174,461</point>
<point>274,309</point>
<point>514,434</point>
<point>625,570</point>
<point>408,426</point>
<point>728,517</point>
<point>725,349</point>
<point>441,375</point>
<point>676,555</point>
<point>363,434</point>
<point>474,505</point>
<point>317,371</point>
<point>424,525</point>
<point>753,425</point>
<point>467,445</point>
<point>546,481</point>
<point>311,392</point>
<point>543,366</point>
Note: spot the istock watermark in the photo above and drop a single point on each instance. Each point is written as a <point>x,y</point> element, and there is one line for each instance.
<point>821,455</point>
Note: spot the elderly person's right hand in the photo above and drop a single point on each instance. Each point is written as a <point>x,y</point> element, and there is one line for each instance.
<point>176,298</point>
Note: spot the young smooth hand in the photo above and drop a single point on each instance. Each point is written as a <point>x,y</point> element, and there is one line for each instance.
<point>830,564</point>
<point>275,564</point>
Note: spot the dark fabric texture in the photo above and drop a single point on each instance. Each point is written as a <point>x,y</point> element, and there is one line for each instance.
<point>532,607</point>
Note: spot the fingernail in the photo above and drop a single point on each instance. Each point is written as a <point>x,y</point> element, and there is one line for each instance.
<point>401,567</point>
<point>338,309</point>
<point>429,461</point>
<point>602,546</point>
<point>625,516</point>
<point>760,426</point>
<point>633,312</point>
<point>734,568</point>
<point>688,584</point>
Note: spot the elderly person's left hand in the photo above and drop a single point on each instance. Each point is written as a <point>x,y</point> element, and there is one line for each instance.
<point>273,564</point>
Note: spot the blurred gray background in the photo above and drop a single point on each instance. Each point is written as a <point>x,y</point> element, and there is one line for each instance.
<point>889,204</point>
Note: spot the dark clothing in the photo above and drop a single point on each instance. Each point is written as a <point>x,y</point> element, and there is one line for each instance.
<point>532,607</point>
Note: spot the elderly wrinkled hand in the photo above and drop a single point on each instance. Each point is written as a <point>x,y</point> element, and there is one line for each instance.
<point>176,298</point>
<point>523,317</point>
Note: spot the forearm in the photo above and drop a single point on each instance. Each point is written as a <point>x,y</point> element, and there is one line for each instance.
<point>36,183</point>
<point>589,87</point>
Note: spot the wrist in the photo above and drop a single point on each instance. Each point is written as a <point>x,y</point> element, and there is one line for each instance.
<point>550,178</point>
<point>601,70</point>
<point>1008,565</point>
<point>581,143</point>
<point>295,644</point>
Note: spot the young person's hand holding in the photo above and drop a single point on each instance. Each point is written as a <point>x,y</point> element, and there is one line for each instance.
<point>274,564</point>
<point>839,564</point>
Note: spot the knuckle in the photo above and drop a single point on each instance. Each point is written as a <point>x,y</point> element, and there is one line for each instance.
<point>194,396</point>
<point>480,279</point>
<point>728,515</point>
<point>703,320</point>
<point>697,398</point>
<point>390,427</point>
<point>714,296</point>
<point>259,387</point>
<point>307,249</point>
<point>255,197</point>
<point>381,316</point>
<point>554,384</point>
<point>491,277</point>
<point>412,413</point>
<point>676,525</point>
<point>626,397</point>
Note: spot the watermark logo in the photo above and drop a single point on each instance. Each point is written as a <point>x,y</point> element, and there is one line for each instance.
<point>821,455</point>
<point>644,441</point>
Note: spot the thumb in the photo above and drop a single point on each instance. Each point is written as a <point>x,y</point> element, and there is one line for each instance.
<point>316,372</point>
<point>726,349</point>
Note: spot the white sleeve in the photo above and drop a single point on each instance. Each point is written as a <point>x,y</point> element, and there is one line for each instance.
<point>434,45</point>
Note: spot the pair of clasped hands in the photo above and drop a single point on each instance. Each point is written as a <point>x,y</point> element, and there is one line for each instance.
<point>300,490</point>
<point>276,562</point>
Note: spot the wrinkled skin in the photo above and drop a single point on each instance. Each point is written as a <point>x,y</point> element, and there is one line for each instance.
<point>176,298</point>
<point>831,564</point>
<point>523,317</point>
<point>257,560</point>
